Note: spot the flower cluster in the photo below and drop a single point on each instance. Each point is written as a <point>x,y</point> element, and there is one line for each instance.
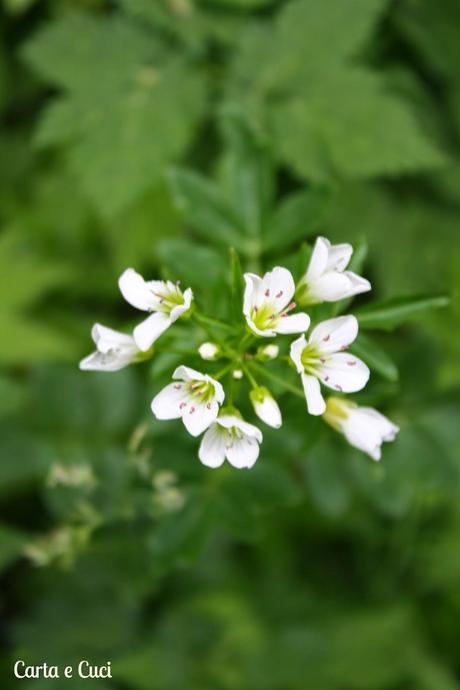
<point>319,355</point>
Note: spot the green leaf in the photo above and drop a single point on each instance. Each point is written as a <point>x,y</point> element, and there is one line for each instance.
<point>297,217</point>
<point>11,544</point>
<point>375,357</point>
<point>154,101</point>
<point>204,208</point>
<point>390,313</point>
<point>347,124</point>
<point>247,176</point>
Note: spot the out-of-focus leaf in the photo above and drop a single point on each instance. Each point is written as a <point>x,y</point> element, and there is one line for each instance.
<point>205,209</point>
<point>296,218</point>
<point>154,103</point>
<point>375,357</point>
<point>11,544</point>
<point>390,313</point>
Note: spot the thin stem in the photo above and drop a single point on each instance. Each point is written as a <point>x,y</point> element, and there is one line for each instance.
<point>202,319</point>
<point>276,379</point>
<point>176,351</point>
<point>222,372</point>
<point>245,341</point>
<point>250,376</point>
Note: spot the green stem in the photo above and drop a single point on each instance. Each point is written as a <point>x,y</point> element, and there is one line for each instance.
<point>222,372</point>
<point>250,376</point>
<point>276,379</point>
<point>202,319</point>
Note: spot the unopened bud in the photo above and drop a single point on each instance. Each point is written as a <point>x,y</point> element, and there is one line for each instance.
<point>209,351</point>
<point>237,374</point>
<point>266,407</point>
<point>267,352</point>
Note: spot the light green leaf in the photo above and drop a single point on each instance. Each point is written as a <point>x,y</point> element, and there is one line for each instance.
<point>390,313</point>
<point>115,68</point>
<point>375,357</point>
<point>236,285</point>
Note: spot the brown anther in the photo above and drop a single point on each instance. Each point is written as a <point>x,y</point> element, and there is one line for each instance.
<point>339,388</point>
<point>322,360</point>
<point>326,338</point>
<point>326,378</point>
<point>192,410</point>
<point>208,406</point>
<point>177,386</point>
<point>267,293</point>
<point>351,362</point>
<point>280,294</point>
<point>182,405</point>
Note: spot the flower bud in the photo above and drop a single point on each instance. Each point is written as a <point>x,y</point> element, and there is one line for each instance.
<point>267,352</point>
<point>209,351</point>
<point>266,407</point>
<point>237,374</point>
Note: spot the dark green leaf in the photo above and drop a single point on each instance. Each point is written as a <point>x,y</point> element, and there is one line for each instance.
<point>375,357</point>
<point>390,313</point>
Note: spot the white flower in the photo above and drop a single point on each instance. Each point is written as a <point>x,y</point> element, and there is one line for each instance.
<point>208,351</point>
<point>267,303</point>
<point>195,398</point>
<point>232,438</point>
<point>114,350</point>
<point>322,359</point>
<point>363,427</point>
<point>266,407</point>
<point>164,298</point>
<point>326,279</point>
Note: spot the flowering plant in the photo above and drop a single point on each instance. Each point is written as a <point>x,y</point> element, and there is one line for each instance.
<point>269,309</point>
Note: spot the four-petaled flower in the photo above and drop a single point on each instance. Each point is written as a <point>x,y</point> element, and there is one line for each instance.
<point>164,298</point>
<point>322,359</point>
<point>195,397</point>
<point>114,350</point>
<point>267,303</point>
<point>326,279</point>
<point>232,438</point>
<point>363,427</point>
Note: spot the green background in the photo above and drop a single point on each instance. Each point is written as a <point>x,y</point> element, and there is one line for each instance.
<point>157,134</point>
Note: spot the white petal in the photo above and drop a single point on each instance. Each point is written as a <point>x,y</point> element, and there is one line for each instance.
<point>382,424</point>
<point>98,361</point>
<point>167,404</point>
<point>212,447</point>
<point>358,284</point>
<point>150,329</point>
<point>243,452</point>
<point>198,416</point>
<point>315,401</point>
<point>136,291</point>
<point>218,389</point>
<point>339,256</point>
<point>329,287</point>
<point>188,374</point>
<point>294,323</point>
<point>344,372</point>
<point>278,287</point>
<point>228,421</point>
<point>297,347</point>
<point>269,412</point>
<point>176,312</point>
<point>318,259</point>
<point>335,334</point>
<point>252,293</point>
<point>106,338</point>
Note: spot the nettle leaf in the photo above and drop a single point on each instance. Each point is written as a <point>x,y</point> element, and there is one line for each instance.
<point>127,109</point>
<point>349,125</point>
<point>329,118</point>
<point>388,314</point>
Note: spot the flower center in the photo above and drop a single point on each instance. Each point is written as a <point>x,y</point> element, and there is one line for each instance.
<point>202,391</point>
<point>266,316</point>
<point>169,298</point>
<point>311,359</point>
<point>337,411</point>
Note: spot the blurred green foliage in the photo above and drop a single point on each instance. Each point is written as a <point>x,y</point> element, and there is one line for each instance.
<point>158,134</point>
